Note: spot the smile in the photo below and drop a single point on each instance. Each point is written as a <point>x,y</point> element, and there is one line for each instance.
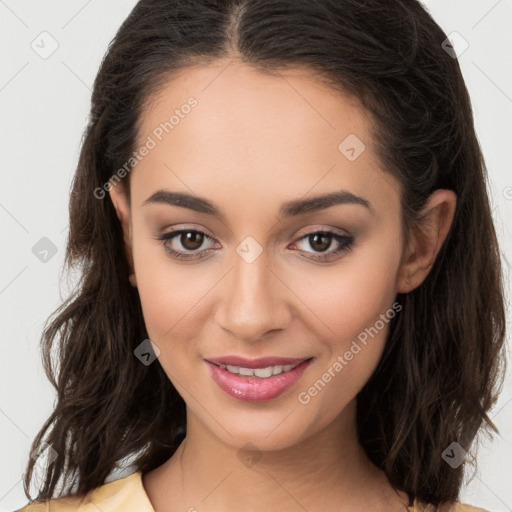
<point>257,383</point>
<point>262,373</point>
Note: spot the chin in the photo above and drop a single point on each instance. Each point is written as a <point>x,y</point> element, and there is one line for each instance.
<point>264,429</point>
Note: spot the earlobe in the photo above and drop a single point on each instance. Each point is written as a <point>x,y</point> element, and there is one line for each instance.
<point>427,240</point>
<point>123,212</point>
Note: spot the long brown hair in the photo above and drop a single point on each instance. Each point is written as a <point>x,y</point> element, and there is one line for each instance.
<point>440,371</point>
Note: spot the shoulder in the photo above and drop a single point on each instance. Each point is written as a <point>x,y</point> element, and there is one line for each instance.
<point>120,495</point>
<point>462,507</point>
<point>455,507</point>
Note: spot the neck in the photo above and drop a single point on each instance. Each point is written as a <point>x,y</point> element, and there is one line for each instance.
<point>326,470</point>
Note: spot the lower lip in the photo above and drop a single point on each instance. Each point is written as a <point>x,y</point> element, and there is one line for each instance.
<point>255,389</point>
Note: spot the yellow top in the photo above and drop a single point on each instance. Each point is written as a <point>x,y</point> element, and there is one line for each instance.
<point>128,495</point>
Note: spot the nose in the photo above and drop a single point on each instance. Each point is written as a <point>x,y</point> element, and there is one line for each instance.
<point>254,300</point>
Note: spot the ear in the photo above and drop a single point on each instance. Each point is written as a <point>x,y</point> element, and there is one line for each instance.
<point>426,240</point>
<point>123,211</point>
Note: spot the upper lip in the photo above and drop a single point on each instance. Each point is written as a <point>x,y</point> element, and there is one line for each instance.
<point>260,362</point>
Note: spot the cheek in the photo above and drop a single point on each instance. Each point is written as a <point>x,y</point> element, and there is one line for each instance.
<point>350,296</point>
<point>170,294</point>
<point>355,301</point>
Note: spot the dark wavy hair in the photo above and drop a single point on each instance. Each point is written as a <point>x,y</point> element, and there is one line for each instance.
<point>440,371</point>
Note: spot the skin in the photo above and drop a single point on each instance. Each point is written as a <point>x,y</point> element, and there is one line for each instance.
<point>253,142</point>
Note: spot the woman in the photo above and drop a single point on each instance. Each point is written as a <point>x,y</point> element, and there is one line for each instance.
<point>291,292</point>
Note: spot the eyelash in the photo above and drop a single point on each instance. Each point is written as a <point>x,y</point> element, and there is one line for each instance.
<point>346,242</point>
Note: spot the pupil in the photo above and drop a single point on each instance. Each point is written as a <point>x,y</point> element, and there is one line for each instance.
<point>323,246</point>
<point>193,240</point>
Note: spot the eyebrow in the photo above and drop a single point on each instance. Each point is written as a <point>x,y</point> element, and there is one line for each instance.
<point>288,209</point>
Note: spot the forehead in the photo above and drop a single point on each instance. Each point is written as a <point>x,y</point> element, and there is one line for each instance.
<point>255,136</point>
<point>236,100</point>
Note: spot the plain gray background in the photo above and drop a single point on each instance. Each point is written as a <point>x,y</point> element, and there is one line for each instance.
<point>44,106</point>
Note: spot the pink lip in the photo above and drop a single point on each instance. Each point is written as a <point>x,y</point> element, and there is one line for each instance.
<point>252,388</point>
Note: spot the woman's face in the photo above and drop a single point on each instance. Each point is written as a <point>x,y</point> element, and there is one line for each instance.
<point>257,279</point>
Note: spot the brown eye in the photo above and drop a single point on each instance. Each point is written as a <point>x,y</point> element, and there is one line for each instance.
<point>185,244</point>
<point>191,240</point>
<point>320,241</point>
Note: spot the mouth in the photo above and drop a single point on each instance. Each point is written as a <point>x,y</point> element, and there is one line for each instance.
<point>256,379</point>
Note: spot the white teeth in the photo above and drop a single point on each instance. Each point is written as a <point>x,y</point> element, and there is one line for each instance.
<point>277,370</point>
<point>262,373</point>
